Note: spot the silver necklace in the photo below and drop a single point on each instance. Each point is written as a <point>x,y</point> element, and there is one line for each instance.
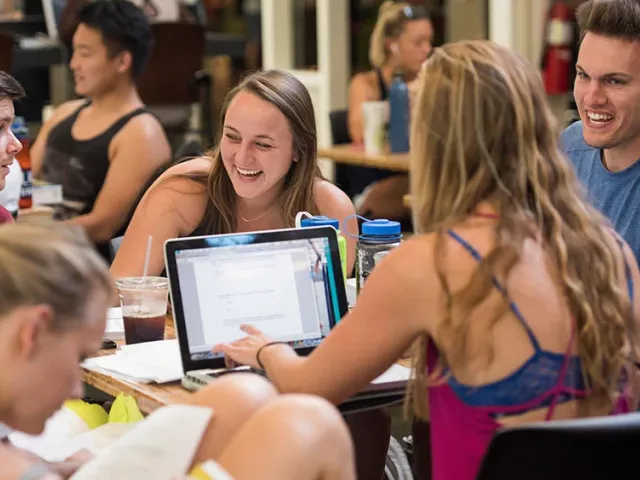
<point>249,220</point>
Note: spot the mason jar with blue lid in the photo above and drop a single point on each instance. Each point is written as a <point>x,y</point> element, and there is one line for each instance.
<point>380,235</point>
<point>321,221</point>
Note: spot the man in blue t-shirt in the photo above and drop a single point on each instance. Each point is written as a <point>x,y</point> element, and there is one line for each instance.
<point>604,147</point>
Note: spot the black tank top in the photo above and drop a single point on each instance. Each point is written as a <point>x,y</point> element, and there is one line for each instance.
<point>80,166</point>
<point>356,179</point>
<point>384,92</point>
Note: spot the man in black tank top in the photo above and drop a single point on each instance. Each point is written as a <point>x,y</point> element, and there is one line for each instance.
<point>104,148</point>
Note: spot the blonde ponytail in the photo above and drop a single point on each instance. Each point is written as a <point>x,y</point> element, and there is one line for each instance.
<point>388,14</point>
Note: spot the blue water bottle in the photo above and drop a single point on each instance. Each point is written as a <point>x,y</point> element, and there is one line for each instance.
<point>377,236</point>
<point>398,114</point>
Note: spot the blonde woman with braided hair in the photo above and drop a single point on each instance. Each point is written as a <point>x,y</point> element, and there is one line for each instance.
<point>522,297</point>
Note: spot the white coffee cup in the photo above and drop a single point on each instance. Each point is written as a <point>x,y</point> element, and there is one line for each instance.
<point>375,116</point>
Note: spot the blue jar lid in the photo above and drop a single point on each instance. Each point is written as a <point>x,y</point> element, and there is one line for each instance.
<point>381,227</point>
<point>320,220</point>
<point>19,127</point>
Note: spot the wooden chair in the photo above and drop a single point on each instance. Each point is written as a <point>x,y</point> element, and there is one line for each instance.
<point>6,51</point>
<point>174,80</point>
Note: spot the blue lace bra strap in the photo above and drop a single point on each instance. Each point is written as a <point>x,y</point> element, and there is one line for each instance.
<point>514,308</point>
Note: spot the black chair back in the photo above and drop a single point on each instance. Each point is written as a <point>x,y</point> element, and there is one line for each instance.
<point>585,449</point>
<point>340,126</point>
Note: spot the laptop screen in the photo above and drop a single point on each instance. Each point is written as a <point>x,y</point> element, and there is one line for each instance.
<point>285,286</point>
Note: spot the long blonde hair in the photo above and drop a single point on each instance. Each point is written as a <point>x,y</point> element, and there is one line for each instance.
<point>392,18</point>
<point>55,265</point>
<point>291,97</point>
<point>483,131</point>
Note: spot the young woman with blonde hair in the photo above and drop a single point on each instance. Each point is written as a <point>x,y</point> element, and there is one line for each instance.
<point>524,300</point>
<point>401,40</point>
<point>55,290</point>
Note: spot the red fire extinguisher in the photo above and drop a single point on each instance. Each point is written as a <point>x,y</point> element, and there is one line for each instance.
<point>559,38</point>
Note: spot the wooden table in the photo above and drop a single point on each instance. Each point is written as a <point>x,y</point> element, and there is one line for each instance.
<point>36,214</point>
<point>352,154</point>
<point>149,396</point>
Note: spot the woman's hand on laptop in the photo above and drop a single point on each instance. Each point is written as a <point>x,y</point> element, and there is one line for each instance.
<point>245,350</point>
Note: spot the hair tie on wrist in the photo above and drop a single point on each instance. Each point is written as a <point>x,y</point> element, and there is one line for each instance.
<point>262,348</point>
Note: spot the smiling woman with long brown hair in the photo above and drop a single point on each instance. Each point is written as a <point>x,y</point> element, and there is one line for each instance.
<point>262,174</point>
<point>522,297</point>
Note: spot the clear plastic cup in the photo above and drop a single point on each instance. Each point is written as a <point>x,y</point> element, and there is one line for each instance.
<point>375,116</point>
<point>144,307</point>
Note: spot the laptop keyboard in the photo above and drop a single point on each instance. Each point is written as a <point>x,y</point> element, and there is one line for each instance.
<point>225,372</point>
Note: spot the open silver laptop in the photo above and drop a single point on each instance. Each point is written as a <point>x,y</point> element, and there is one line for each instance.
<point>288,283</point>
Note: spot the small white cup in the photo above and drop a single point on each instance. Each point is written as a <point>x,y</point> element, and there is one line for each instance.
<point>374,116</point>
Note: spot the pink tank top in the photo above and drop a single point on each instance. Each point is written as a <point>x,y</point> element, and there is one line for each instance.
<point>464,418</point>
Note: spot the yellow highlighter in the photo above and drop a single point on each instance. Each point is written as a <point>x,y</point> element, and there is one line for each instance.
<point>209,470</point>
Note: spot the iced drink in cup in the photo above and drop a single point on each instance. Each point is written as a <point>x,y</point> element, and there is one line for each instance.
<point>144,307</point>
<point>375,117</point>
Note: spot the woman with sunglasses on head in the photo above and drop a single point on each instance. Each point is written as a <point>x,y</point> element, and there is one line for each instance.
<point>401,41</point>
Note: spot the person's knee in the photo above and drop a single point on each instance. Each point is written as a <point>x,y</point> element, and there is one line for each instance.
<point>312,418</point>
<point>241,390</point>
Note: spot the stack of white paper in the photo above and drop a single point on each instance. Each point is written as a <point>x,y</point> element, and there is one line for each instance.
<point>148,362</point>
<point>56,444</point>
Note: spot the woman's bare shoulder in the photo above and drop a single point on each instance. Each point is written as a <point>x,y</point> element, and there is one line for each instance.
<point>326,193</point>
<point>188,177</point>
<point>181,190</point>
<point>365,80</point>
<point>195,166</point>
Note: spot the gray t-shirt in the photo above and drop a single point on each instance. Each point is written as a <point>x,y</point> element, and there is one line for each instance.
<point>615,194</point>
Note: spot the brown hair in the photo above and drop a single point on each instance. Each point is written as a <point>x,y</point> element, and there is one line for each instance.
<point>392,18</point>
<point>612,18</point>
<point>290,96</point>
<point>10,88</point>
<point>483,131</point>
<point>55,265</point>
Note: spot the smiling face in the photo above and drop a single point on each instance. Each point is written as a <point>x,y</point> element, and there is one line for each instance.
<point>256,146</point>
<point>607,92</point>
<point>10,146</point>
